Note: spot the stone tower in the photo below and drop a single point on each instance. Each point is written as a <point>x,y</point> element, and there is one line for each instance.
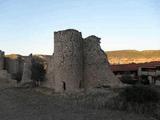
<point>1,60</point>
<point>78,63</point>
<point>97,72</point>
<point>68,60</point>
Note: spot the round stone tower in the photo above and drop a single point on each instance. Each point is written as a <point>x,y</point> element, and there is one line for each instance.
<point>1,60</point>
<point>68,60</point>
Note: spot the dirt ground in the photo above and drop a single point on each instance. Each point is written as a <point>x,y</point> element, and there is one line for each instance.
<point>27,104</point>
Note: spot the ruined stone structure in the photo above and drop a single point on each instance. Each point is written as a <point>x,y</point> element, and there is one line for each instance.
<point>1,60</point>
<point>14,66</point>
<point>3,73</point>
<point>5,77</point>
<point>68,60</point>
<point>78,63</point>
<point>96,67</point>
<point>26,75</point>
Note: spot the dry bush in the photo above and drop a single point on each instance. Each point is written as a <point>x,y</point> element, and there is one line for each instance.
<point>139,99</point>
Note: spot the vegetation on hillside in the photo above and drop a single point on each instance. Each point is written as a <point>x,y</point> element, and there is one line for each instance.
<point>133,56</point>
<point>12,56</point>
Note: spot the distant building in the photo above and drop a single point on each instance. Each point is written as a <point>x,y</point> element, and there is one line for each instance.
<point>149,72</point>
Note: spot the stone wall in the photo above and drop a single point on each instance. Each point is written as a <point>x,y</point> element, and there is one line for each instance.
<point>1,60</point>
<point>26,74</point>
<point>14,66</point>
<point>97,72</point>
<point>5,77</point>
<point>68,60</point>
<point>5,80</point>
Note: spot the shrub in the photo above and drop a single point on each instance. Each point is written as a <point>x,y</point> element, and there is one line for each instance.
<point>38,70</point>
<point>127,79</point>
<point>139,94</point>
<point>145,80</point>
<point>139,99</point>
<point>17,76</point>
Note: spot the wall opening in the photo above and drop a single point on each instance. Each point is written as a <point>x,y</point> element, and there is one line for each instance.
<point>64,85</point>
<point>81,84</point>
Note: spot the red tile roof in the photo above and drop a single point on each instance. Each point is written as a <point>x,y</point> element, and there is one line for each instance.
<point>133,66</point>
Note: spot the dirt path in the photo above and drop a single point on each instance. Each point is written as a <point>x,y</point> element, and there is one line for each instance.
<point>26,104</point>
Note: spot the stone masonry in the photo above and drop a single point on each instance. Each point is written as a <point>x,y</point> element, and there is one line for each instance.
<point>96,67</point>
<point>1,60</point>
<point>26,76</point>
<point>14,65</point>
<point>78,63</point>
<point>5,77</point>
<point>68,60</point>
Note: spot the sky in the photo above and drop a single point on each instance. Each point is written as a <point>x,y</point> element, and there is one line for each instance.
<point>27,26</point>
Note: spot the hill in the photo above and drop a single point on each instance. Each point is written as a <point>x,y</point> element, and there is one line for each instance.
<point>123,56</point>
<point>133,56</point>
<point>13,56</point>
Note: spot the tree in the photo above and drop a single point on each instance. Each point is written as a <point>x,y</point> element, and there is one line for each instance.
<point>38,70</point>
<point>128,79</point>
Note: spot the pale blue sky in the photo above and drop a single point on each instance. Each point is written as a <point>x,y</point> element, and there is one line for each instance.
<point>27,26</point>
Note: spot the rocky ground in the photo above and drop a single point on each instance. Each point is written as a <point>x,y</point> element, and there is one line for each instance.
<point>28,104</point>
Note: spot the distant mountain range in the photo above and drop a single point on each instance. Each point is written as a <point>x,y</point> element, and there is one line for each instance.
<point>133,56</point>
<point>124,56</point>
